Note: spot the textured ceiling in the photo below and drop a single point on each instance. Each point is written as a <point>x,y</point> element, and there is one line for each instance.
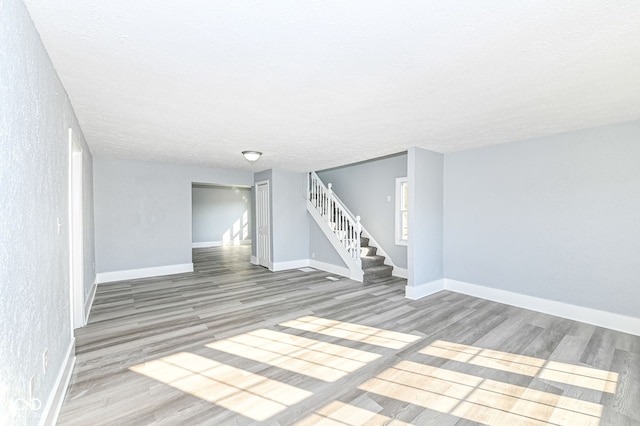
<point>317,84</point>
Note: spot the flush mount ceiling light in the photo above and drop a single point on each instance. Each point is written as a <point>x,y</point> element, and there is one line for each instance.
<point>251,156</point>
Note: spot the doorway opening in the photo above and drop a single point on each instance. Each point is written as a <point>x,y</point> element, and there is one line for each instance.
<point>263,222</point>
<point>76,234</point>
<point>220,215</point>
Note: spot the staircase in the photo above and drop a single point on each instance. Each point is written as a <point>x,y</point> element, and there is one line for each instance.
<point>346,234</point>
<point>373,266</point>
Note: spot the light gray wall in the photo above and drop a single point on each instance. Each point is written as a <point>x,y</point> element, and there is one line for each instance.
<point>290,222</point>
<point>557,217</point>
<point>364,188</point>
<point>425,253</point>
<point>217,210</point>
<point>143,211</point>
<point>35,114</point>
<point>320,247</point>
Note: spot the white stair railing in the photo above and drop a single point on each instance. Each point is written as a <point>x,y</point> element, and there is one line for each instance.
<point>340,220</point>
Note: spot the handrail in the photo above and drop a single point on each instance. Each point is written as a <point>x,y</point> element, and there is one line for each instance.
<point>344,225</point>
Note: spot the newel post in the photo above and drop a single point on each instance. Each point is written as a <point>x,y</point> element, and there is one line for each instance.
<point>358,231</point>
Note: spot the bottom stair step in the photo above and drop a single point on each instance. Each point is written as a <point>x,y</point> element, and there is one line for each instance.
<point>377,272</point>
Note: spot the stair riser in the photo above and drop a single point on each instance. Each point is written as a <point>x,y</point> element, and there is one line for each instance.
<point>383,271</point>
<point>371,277</point>
<point>368,251</point>
<point>368,263</point>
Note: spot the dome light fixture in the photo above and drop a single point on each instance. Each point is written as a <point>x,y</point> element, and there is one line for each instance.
<point>251,156</point>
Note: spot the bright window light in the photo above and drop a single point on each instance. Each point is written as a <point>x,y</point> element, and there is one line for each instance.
<point>402,211</point>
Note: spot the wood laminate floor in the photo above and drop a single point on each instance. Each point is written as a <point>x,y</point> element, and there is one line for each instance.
<point>233,343</point>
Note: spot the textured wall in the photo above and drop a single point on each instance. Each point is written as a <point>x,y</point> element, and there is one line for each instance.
<point>364,188</point>
<point>220,210</point>
<point>143,211</point>
<point>35,115</point>
<point>425,177</point>
<point>556,218</point>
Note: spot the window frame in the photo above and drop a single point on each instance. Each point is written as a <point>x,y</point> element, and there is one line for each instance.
<point>400,182</point>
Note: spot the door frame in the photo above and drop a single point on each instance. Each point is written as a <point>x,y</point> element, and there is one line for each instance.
<point>76,235</point>
<point>262,261</point>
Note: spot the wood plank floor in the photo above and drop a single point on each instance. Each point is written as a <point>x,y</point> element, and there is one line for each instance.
<point>233,343</point>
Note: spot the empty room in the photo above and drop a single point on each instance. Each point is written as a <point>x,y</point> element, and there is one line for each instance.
<point>302,213</point>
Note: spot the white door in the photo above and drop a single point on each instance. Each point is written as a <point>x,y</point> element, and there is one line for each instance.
<point>263,245</point>
<point>76,234</point>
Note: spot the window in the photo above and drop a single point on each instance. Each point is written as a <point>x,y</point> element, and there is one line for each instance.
<point>402,211</point>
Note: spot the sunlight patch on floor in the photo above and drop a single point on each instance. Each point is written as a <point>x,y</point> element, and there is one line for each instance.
<point>240,391</point>
<point>478,399</point>
<point>338,413</point>
<point>313,358</point>
<point>463,395</point>
<point>575,375</point>
<point>354,332</point>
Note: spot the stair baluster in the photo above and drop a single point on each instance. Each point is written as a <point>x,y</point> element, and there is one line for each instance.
<point>342,223</point>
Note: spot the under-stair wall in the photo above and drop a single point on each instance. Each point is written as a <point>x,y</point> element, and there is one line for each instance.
<point>322,253</point>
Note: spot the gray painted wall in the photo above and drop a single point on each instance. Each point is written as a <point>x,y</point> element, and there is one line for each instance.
<point>320,247</point>
<point>557,217</point>
<point>220,212</point>
<point>143,211</point>
<point>35,114</point>
<point>290,222</point>
<point>364,188</point>
<point>425,253</point>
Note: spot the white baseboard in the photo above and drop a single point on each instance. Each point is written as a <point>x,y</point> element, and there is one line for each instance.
<point>400,272</point>
<point>89,302</point>
<point>302,263</point>
<point>54,402</point>
<point>297,264</point>
<point>132,274</point>
<point>592,316</point>
<point>291,264</point>
<point>328,267</point>
<point>254,261</point>
<point>424,290</point>
<point>205,244</point>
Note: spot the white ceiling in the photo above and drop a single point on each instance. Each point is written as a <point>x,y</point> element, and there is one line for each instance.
<point>317,84</point>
